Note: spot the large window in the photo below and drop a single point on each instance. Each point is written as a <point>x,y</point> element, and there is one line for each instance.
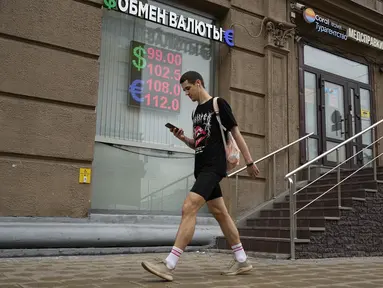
<point>336,65</point>
<point>138,164</point>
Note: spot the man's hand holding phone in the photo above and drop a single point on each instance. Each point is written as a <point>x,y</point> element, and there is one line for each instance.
<point>177,132</point>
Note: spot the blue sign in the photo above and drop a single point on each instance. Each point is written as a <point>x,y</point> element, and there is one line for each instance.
<point>229,37</point>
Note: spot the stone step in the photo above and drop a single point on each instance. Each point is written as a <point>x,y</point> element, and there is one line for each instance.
<point>355,178</point>
<point>345,173</point>
<point>285,221</point>
<point>332,202</point>
<point>261,244</point>
<point>333,194</point>
<point>367,184</point>
<point>277,232</point>
<point>307,212</point>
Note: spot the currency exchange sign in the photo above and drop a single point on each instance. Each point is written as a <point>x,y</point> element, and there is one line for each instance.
<point>154,78</point>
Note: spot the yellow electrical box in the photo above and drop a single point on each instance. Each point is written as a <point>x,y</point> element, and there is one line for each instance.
<point>85,175</point>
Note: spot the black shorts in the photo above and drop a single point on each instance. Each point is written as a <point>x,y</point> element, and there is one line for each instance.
<point>207,185</point>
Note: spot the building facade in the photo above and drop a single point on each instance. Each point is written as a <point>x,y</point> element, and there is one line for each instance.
<point>87,86</point>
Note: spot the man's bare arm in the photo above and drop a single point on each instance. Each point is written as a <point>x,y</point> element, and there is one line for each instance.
<point>242,144</point>
<point>189,142</point>
<point>252,169</point>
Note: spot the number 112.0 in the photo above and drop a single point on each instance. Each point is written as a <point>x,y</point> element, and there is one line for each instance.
<point>162,102</point>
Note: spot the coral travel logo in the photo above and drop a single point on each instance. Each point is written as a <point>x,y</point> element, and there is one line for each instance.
<point>309,15</point>
<point>324,25</point>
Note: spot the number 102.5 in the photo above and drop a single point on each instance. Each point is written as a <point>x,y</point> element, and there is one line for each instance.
<point>164,72</point>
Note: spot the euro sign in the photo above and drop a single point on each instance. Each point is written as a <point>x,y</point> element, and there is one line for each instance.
<point>139,52</point>
<point>229,37</point>
<point>136,89</point>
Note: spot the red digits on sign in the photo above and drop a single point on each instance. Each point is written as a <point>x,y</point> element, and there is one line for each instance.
<point>175,104</point>
<point>177,90</point>
<point>150,53</point>
<point>158,70</point>
<point>165,87</point>
<point>170,58</point>
<point>166,73</point>
<point>150,83</point>
<point>147,97</point>
<point>155,98</point>
<point>177,74</point>
<point>164,102</point>
<point>157,86</point>
<point>159,55</point>
<point>178,60</point>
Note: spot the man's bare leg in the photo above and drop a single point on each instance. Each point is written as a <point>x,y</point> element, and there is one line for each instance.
<point>192,204</point>
<point>218,208</point>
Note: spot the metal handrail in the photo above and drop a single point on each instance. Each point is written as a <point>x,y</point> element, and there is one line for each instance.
<point>292,178</point>
<point>336,185</point>
<point>167,186</point>
<point>272,154</point>
<point>332,149</point>
<point>337,166</point>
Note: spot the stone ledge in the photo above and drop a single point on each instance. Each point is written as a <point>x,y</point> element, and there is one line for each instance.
<point>83,233</point>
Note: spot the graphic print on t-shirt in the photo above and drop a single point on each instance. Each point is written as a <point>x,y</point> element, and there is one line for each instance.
<point>202,130</point>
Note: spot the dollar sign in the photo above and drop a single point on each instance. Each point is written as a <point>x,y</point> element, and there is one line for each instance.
<point>139,52</point>
<point>110,4</point>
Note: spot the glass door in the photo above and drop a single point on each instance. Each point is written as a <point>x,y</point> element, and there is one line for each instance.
<point>354,124</point>
<point>334,108</point>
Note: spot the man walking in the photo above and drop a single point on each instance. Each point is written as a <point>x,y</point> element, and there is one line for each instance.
<point>210,168</point>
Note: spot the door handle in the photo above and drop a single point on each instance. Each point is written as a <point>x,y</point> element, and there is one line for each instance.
<point>345,126</point>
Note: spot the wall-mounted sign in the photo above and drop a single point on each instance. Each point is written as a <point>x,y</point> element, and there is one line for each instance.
<point>168,18</point>
<point>85,175</point>
<point>364,38</point>
<point>365,114</point>
<point>324,25</point>
<point>154,78</point>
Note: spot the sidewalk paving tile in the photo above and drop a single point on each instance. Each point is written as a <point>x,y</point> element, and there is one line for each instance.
<point>194,270</point>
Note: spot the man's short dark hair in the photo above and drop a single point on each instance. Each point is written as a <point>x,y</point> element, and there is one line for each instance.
<point>192,77</point>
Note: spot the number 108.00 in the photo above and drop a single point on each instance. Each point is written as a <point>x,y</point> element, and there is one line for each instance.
<point>162,102</point>
<point>164,87</point>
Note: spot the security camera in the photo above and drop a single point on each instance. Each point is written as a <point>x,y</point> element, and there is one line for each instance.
<point>297,6</point>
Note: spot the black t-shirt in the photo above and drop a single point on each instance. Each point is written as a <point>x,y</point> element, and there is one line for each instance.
<point>209,148</point>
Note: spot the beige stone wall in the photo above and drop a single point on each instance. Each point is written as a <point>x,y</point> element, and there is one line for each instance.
<point>48,92</point>
<point>375,5</point>
<point>261,89</point>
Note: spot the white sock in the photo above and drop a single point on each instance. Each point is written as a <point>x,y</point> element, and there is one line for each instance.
<point>173,257</point>
<point>239,253</point>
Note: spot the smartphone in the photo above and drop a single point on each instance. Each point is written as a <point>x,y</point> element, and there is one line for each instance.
<point>170,126</point>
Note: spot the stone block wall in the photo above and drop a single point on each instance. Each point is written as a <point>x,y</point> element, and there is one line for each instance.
<point>359,233</point>
<point>48,93</point>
